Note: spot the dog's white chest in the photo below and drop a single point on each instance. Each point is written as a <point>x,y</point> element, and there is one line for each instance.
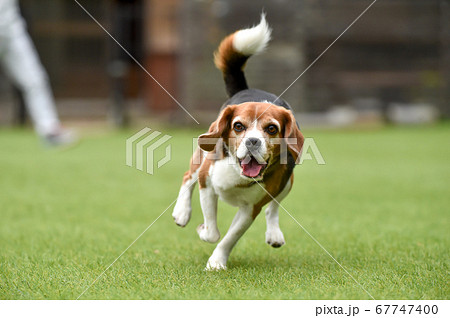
<point>230,186</point>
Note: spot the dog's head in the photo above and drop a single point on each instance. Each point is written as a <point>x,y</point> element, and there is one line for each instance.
<point>255,134</point>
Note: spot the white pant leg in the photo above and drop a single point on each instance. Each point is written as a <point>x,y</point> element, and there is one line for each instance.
<point>20,61</point>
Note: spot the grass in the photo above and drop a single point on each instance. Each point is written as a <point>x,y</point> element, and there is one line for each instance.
<point>380,206</point>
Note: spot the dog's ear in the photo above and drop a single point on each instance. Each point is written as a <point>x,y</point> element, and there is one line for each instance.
<point>292,131</point>
<point>218,130</point>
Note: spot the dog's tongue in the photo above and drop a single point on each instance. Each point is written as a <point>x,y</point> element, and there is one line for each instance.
<point>252,168</point>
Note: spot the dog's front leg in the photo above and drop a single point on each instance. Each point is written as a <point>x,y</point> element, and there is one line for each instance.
<point>182,210</point>
<point>274,236</point>
<point>208,231</point>
<point>240,224</point>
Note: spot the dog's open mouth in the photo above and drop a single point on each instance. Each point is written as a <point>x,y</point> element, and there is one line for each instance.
<point>251,167</point>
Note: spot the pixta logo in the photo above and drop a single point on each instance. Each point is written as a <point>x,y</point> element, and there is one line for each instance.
<point>141,148</point>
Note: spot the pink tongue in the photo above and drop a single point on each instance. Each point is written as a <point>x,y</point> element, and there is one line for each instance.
<point>252,168</point>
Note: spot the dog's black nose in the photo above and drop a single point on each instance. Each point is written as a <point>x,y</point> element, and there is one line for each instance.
<point>253,143</point>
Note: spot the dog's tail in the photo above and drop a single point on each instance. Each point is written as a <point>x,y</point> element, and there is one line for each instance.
<point>234,51</point>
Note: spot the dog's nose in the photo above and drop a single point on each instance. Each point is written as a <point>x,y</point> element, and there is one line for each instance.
<point>253,143</point>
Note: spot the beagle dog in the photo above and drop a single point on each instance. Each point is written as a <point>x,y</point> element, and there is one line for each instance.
<point>247,156</point>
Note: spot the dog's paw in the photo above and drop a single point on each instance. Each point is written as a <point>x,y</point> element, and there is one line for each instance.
<point>181,219</point>
<point>275,238</point>
<point>208,235</point>
<point>181,215</point>
<point>215,265</point>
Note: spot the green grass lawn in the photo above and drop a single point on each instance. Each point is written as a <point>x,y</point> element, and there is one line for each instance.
<point>380,206</point>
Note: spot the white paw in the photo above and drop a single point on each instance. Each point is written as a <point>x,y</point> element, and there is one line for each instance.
<point>215,265</point>
<point>275,238</point>
<point>208,235</point>
<point>181,214</point>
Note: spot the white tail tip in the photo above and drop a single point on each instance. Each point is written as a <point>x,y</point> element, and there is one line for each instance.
<point>253,40</point>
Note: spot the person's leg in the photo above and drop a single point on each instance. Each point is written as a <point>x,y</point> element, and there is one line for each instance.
<point>21,63</point>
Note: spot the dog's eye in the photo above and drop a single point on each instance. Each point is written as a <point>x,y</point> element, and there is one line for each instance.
<point>238,127</point>
<point>272,129</point>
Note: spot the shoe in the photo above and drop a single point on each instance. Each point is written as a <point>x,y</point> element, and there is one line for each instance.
<point>61,138</point>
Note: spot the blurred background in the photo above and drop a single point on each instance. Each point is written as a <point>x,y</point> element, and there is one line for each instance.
<point>392,66</point>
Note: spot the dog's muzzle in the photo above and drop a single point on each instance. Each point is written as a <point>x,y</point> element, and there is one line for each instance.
<point>253,164</point>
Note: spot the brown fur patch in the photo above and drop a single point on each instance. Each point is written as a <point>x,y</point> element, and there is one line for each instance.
<point>276,180</point>
<point>195,163</point>
<point>203,173</point>
<point>209,160</point>
<point>224,52</point>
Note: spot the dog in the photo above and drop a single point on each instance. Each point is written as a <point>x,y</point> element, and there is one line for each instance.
<point>245,158</point>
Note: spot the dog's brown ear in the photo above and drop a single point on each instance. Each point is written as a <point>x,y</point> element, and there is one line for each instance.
<point>217,131</point>
<point>292,131</point>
